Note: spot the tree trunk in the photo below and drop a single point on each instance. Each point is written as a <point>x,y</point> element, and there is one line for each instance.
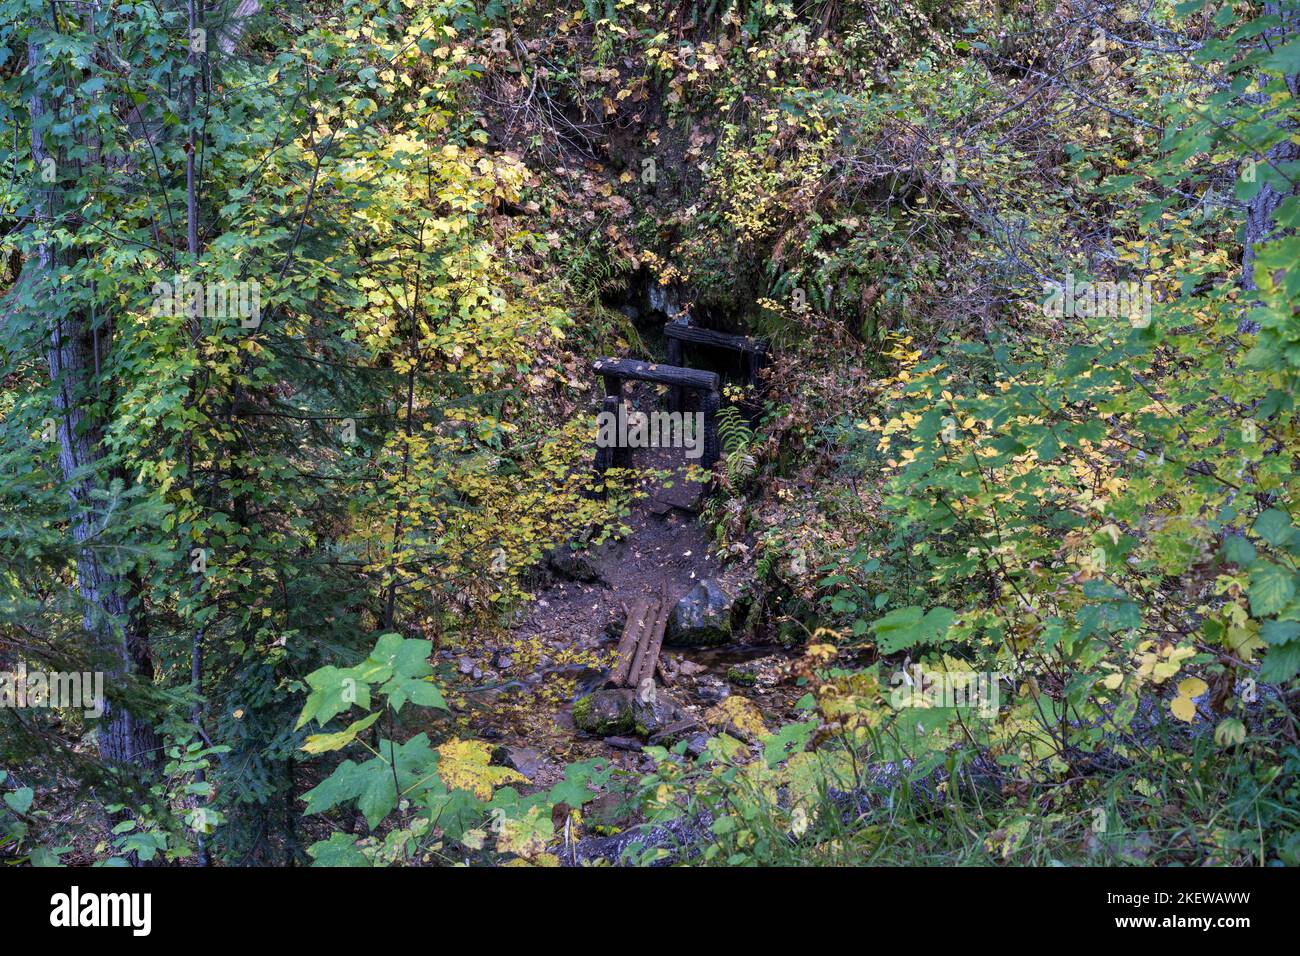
<point>114,629</point>
<point>1263,207</point>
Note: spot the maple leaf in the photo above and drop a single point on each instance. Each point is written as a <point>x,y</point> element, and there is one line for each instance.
<point>463,765</point>
<point>527,835</point>
<point>740,714</point>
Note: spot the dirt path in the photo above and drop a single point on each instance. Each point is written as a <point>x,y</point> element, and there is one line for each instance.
<point>560,649</point>
<point>666,551</point>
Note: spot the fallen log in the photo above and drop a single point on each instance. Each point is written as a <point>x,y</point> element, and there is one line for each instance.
<point>625,655</point>
<point>652,641</point>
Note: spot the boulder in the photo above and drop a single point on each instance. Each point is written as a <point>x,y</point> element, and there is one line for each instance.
<point>743,675</point>
<point>705,616</point>
<point>624,711</point>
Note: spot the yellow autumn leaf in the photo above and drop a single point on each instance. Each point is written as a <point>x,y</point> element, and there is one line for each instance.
<point>740,714</point>
<point>1192,687</point>
<point>463,765</point>
<point>1183,708</point>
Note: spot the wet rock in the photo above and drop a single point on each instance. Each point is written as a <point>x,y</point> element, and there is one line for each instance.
<point>683,495</point>
<point>697,744</point>
<point>711,689</point>
<point>664,299</point>
<point>609,811</point>
<point>703,617</point>
<point>674,730</point>
<point>465,665</point>
<point>504,661</point>
<point>525,760</point>
<point>619,712</point>
<point>623,743</point>
<point>681,838</point>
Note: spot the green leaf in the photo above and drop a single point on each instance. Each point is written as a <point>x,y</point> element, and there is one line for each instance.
<point>1274,527</point>
<point>1238,550</point>
<point>402,665</point>
<point>333,691</point>
<point>371,784</point>
<point>454,811</point>
<point>47,857</point>
<point>339,850</point>
<point>1280,664</point>
<point>20,801</point>
<point>1285,59</point>
<point>788,741</point>
<point>576,789</point>
<point>1271,588</point>
<point>910,626</point>
<point>1279,632</point>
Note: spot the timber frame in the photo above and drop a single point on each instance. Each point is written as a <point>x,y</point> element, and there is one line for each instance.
<point>708,384</point>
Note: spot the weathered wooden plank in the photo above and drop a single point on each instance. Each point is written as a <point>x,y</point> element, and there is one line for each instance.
<point>652,641</point>
<point>723,340</point>
<point>617,369</point>
<point>629,644</point>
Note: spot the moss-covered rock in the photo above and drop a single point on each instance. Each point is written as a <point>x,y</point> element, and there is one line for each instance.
<point>621,711</point>
<point>704,617</point>
<point>742,676</point>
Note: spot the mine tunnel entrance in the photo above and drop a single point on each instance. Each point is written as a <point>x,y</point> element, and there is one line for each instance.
<point>680,334</point>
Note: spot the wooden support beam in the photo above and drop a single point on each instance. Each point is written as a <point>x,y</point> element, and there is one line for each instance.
<point>606,458</point>
<point>680,332</point>
<point>753,350</point>
<point>712,444</point>
<point>617,369</point>
<point>708,383</point>
<point>676,400</point>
